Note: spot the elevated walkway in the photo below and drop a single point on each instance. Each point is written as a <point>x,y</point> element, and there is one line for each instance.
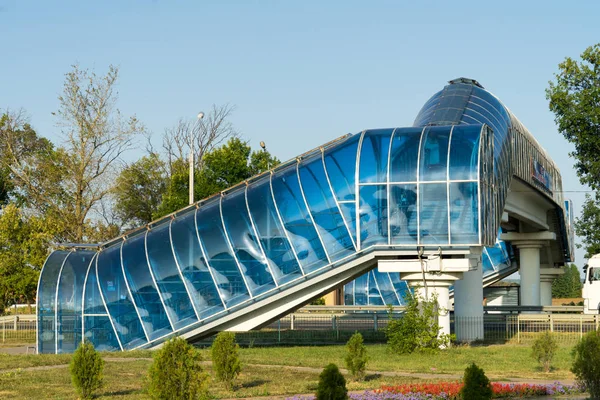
<point>265,247</point>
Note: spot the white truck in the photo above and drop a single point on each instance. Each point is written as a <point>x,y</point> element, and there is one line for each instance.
<point>591,286</point>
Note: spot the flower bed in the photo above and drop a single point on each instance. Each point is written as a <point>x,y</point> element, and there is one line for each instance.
<point>450,391</point>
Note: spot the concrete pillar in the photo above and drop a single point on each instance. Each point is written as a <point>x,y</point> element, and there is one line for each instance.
<point>547,276</point>
<point>529,245</point>
<point>529,269</point>
<point>468,306</point>
<point>436,285</point>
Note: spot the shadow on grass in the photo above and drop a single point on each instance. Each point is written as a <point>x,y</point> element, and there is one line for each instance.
<point>117,393</point>
<point>254,383</point>
<point>372,377</point>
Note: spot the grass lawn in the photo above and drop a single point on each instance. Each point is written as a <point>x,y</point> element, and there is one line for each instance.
<point>125,373</point>
<point>126,380</point>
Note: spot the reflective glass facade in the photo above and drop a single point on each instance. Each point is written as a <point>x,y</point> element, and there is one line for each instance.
<point>441,183</point>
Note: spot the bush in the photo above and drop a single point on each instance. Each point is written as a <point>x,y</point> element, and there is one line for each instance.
<point>476,386</point>
<point>176,372</point>
<point>86,370</point>
<point>586,365</point>
<point>356,359</point>
<point>543,350</point>
<point>332,385</point>
<point>417,328</point>
<point>225,358</point>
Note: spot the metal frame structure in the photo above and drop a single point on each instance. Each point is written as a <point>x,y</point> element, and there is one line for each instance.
<point>503,148</point>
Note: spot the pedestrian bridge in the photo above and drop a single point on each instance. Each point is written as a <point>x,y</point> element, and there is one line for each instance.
<point>421,205</point>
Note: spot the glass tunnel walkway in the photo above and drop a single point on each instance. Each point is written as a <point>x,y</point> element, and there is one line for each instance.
<point>439,184</point>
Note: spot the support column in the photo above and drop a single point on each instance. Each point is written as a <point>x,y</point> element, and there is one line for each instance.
<point>547,276</point>
<point>468,306</point>
<point>438,286</point>
<point>529,245</point>
<point>529,269</point>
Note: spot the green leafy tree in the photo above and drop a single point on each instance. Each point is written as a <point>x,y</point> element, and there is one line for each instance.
<point>139,190</point>
<point>476,386</point>
<point>586,363</point>
<point>176,372</point>
<point>356,356</point>
<point>23,249</point>
<point>221,168</point>
<point>332,385</point>
<point>574,96</point>
<point>543,350</point>
<point>225,358</point>
<point>587,226</point>
<point>567,285</point>
<point>417,329</point>
<point>86,370</point>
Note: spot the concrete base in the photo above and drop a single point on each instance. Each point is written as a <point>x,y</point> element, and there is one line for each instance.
<point>468,306</point>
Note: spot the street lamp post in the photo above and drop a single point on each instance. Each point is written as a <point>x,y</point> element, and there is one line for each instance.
<point>199,118</point>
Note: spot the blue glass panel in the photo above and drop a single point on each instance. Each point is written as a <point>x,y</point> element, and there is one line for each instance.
<point>271,234</point>
<point>46,307</point>
<point>194,267</point>
<point>401,287</point>
<point>120,306</point>
<point>324,210</point>
<point>97,327</point>
<point>360,290</point>
<point>227,273</point>
<point>374,294</point>
<point>433,213</point>
<point>245,244</point>
<point>487,266</point>
<point>386,289</point>
<point>403,214</point>
<point>340,162</point>
<point>373,215</point>
<point>374,156</point>
<point>464,152</point>
<point>143,289</point>
<point>433,165</point>
<point>404,154</point>
<point>70,291</point>
<point>464,213</point>
<point>100,333</point>
<point>173,291</point>
<point>297,222</point>
<point>92,300</point>
<point>349,214</point>
<point>349,293</point>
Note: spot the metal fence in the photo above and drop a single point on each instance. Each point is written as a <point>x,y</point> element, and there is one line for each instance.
<point>17,332</point>
<point>316,328</point>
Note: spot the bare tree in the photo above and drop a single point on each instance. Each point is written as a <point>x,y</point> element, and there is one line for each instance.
<point>210,132</point>
<point>95,138</point>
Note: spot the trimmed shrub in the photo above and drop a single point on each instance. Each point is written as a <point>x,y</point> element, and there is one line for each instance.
<point>176,372</point>
<point>226,361</point>
<point>86,370</point>
<point>417,329</point>
<point>476,386</point>
<point>586,364</point>
<point>332,385</point>
<point>543,350</point>
<point>356,358</point>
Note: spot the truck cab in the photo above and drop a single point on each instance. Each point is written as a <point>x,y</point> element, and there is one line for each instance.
<point>591,286</point>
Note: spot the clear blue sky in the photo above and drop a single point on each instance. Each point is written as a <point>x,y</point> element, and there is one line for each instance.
<point>300,73</point>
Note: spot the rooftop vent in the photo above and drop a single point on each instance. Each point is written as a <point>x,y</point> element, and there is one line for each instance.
<point>468,81</point>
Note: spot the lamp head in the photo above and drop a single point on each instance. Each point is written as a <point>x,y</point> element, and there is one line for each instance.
<point>200,115</point>
<point>263,145</point>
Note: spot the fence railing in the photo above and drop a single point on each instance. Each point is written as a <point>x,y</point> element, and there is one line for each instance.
<point>328,328</point>
<point>17,332</point>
